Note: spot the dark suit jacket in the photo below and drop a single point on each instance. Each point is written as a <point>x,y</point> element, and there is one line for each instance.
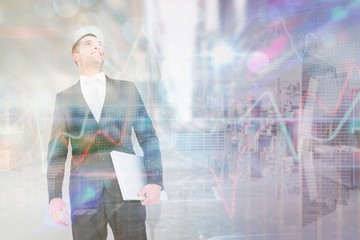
<point>91,142</point>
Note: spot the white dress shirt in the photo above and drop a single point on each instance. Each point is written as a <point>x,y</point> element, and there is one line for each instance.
<point>100,81</point>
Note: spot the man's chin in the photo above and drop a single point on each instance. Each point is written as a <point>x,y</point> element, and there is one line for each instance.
<point>99,58</point>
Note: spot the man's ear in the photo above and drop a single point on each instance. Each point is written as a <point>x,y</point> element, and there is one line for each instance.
<point>75,57</point>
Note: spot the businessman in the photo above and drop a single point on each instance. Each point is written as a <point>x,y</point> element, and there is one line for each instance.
<point>92,118</point>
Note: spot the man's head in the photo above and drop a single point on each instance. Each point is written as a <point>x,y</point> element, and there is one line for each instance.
<point>77,42</point>
<point>88,51</point>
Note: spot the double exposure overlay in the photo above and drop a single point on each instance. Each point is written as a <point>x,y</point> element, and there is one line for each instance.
<point>256,104</point>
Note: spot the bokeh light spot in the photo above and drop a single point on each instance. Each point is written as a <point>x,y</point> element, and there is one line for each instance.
<point>1,18</point>
<point>131,29</point>
<point>222,54</point>
<point>328,40</point>
<point>268,14</point>
<point>44,9</point>
<point>89,18</point>
<point>257,62</point>
<point>15,62</point>
<point>273,13</point>
<point>66,8</point>
<point>339,13</point>
<point>11,131</point>
<point>89,194</point>
<point>87,3</point>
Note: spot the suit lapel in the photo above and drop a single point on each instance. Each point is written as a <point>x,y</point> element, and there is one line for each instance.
<point>108,95</point>
<point>115,104</point>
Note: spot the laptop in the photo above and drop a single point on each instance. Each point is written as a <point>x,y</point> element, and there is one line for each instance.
<point>130,172</point>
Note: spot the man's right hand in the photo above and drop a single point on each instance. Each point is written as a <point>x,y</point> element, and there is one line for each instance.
<point>59,212</point>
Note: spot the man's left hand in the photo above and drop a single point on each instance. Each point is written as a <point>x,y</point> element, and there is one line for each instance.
<point>151,194</point>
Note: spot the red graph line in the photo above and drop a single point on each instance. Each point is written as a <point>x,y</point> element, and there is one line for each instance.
<point>230,209</point>
<point>64,138</point>
<point>344,90</point>
<point>93,138</point>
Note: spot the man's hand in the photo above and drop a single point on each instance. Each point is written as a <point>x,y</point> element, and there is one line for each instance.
<point>59,212</point>
<point>151,194</point>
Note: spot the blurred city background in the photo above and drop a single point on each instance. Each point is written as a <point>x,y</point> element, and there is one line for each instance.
<point>256,104</point>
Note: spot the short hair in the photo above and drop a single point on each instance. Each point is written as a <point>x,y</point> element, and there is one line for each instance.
<point>77,43</point>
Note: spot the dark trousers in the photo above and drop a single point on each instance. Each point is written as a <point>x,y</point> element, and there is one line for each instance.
<point>126,218</point>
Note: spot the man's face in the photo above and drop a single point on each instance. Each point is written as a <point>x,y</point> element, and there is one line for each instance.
<point>89,51</point>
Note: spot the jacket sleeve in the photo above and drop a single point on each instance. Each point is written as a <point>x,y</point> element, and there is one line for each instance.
<point>57,152</point>
<point>148,140</point>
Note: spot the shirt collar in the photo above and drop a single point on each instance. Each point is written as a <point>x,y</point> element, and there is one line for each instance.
<point>100,76</point>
